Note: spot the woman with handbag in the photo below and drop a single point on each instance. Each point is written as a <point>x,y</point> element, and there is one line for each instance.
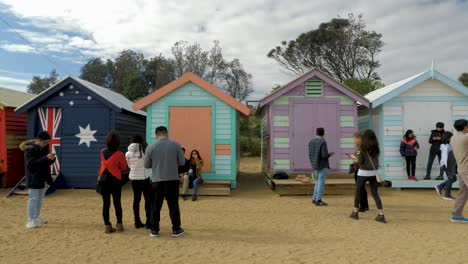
<point>110,180</point>
<point>195,172</point>
<point>368,160</point>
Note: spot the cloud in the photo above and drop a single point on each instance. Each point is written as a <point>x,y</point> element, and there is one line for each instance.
<point>414,31</point>
<point>18,48</point>
<point>13,80</point>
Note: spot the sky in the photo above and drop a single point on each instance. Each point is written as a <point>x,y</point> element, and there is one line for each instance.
<point>65,34</point>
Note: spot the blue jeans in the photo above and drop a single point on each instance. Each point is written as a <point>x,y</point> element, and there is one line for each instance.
<point>35,202</point>
<point>320,177</point>
<point>196,182</point>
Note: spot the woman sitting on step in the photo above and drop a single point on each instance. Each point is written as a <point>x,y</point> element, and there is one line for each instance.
<point>195,172</point>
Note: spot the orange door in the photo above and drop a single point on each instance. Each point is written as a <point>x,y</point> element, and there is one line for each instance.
<point>191,128</point>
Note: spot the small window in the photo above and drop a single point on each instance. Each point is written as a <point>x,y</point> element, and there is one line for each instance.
<point>314,88</point>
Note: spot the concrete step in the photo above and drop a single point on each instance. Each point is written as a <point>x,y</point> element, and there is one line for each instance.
<point>420,184</point>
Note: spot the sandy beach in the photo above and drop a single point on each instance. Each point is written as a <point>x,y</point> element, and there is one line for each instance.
<point>253,225</point>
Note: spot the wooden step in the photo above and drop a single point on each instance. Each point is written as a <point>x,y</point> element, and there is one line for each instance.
<point>332,186</point>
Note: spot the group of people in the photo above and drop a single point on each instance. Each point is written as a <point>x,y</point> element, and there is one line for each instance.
<point>366,170</point>
<point>452,151</point>
<point>409,147</point>
<point>440,148</point>
<point>155,171</point>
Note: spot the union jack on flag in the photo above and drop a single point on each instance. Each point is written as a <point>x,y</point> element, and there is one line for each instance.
<point>51,118</point>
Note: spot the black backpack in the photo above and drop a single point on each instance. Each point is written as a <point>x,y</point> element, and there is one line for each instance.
<point>280,175</point>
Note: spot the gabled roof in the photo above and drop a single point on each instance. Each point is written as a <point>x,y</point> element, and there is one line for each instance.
<point>386,93</point>
<point>13,98</point>
<point>303,78</point>
<point>106,96</point>
<point>191,77</point>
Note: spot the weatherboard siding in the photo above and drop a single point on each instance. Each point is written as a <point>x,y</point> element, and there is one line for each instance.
<point>225,126</point>
<point>278,116</point>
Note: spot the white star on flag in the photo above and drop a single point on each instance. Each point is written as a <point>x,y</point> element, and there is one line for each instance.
<point>86,135</point>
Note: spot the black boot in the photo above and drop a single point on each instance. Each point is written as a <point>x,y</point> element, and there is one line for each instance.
<point>354,215</point>
<point>380,218</point>
<point>148,224</point>
<point>138,223</point>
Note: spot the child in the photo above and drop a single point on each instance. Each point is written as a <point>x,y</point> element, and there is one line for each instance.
<point>449,165</point>
<point>140,179</point>
<point>368,161</point>
<point>408,150</point>
<point>37,161</point>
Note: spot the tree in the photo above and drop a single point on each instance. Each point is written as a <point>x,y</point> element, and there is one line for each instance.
<point>39,84</point>
<point>134,85</point>
<point>464,78</point>
<point>211,66</point>
<point>237,81</point>
<point>158,72</point>
<point>189,57</point>
<point>363,86</point>
<point>134,76</point>
<point>98,72</point>
<point>127,63</point>
<point>341,47</point>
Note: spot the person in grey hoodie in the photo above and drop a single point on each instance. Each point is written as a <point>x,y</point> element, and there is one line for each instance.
<point>139,176</point>
<point>164,158</point>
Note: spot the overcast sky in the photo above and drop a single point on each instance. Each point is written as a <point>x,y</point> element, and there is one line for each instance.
<point>68,33</point>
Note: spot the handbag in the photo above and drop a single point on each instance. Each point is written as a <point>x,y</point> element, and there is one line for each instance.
<point>351,169</point>
<point>377,174</point>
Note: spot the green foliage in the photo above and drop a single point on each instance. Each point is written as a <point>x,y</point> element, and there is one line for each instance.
<point>341,47</point>
<point>135,76</point>
<point>250,135</point>
<point>363,86</point>
<point>39,84</point>
<point>211,66</point>
<point>464,79</point>
<point>98,72</point>
<point>250,146</point>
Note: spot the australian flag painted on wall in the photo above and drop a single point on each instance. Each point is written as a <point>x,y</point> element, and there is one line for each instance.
<point>50,121</point>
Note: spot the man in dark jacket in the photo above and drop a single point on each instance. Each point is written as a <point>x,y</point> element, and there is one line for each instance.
<point>184,177</point>
<point>318,155</point>
<point>436,140</point>
<point>37,161</point>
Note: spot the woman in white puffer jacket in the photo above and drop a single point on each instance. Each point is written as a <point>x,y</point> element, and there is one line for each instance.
<point>140,178</point>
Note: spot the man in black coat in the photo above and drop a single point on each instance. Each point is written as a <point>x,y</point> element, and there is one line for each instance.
<point>436,140</point>
<point>37,161</point>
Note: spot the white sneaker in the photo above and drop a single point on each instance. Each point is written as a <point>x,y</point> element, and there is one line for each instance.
<point>40,221</point>
<point>31,224</point>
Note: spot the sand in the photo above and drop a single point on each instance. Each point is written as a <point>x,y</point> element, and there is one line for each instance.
<point>253,225</point>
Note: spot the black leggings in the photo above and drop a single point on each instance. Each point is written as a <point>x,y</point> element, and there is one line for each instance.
<point>410,165</point>
<point>139,187</point>
<point>112,187</point>
<point>363,202</point>
<point>361,184</point>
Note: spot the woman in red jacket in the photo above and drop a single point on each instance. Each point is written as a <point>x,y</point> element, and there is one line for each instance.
<point>110,180</point>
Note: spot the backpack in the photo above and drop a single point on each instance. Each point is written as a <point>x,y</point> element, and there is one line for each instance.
<point>280,175</point>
